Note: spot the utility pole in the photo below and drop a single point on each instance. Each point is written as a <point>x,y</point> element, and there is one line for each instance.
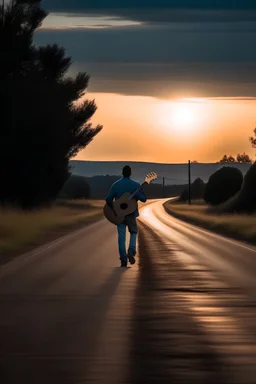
<point>189,183</point>
<point>163,186</point>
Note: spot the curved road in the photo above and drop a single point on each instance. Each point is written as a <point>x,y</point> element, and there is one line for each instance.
<point>185,313</point>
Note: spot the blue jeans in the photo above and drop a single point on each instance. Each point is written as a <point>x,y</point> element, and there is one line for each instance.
<point>121,228</point>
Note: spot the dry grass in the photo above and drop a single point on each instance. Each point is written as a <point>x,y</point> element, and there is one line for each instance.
<point>240,227</point>
<point>20,231</point>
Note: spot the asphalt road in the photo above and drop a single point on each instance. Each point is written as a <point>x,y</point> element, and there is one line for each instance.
<point>185,313</point>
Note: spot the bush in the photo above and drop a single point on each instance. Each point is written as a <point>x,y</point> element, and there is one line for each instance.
<point>245,200</point>
<point>76,187</point>
<point>184,195</point>
<point>197,191</point>
<point>222,185</point>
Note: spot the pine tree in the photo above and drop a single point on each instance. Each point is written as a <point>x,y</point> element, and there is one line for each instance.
<point>45,119</point>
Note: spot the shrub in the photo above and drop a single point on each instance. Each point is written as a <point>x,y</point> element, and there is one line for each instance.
<point>197,190</point>
<point>76,187</point>
<point>222,185</point>
<point>245,200</point>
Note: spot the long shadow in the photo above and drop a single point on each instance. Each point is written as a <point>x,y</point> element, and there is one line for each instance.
<point>65,353</point>
<point>168,346</point>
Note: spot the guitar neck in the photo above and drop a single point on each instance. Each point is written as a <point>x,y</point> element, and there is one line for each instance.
<point>137,190</point>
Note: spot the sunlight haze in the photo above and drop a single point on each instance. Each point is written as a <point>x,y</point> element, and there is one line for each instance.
<point>170,84</point>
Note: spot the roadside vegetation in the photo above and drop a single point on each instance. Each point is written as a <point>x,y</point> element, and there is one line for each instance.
<point>45,120</point>
<point>226,204</point>
<point>22,231</point>
<point>237,226</point>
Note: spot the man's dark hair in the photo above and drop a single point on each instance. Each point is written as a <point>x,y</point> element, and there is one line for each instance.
<point>127,171</point>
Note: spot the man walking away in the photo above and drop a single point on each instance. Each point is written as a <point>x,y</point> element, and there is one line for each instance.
<point>121,186</point>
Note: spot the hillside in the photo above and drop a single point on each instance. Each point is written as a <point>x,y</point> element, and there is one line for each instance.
<point>174,173</point>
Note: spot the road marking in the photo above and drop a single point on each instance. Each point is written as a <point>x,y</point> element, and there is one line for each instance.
<point>64,238</point>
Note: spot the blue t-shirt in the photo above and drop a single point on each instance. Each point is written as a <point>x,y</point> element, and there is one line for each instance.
<point>124,185</point>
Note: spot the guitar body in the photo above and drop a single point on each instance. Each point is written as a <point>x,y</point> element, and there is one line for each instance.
<point>122,207</point>
<point>126,204</point>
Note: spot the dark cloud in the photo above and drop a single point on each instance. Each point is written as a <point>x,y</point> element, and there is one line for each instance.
<point>154,45</point>
<point>154,63</point>
<point>165,59</point>
<point>172,80</point>
<point>173,16</point>
<point>160,11</point>
<point>155,4</point>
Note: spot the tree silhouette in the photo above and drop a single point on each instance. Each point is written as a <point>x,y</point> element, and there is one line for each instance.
<point>243,158</point>
<point>253,139</point>
<point>222,185</point>
<point>228,159</point>
<point>76,187</point>
<point>45,120</point>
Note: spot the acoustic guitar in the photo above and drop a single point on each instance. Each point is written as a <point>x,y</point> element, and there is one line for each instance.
<point>126,204</point>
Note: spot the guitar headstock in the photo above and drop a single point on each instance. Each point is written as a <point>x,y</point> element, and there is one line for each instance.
<point>150,177</point>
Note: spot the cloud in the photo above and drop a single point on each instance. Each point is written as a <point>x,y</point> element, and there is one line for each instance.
<point>185,59</point>
<point>155,45</point>
<point>153,4</point>
<point>160,11</point>
<point>166,81</point>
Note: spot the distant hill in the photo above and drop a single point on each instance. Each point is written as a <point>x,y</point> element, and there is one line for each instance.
<point>174,173</point>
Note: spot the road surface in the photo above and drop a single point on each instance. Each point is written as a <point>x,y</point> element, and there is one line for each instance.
<point>185,313</point>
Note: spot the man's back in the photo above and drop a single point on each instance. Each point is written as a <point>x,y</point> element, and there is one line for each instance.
<point>121,186</point>
<point>124,185</point>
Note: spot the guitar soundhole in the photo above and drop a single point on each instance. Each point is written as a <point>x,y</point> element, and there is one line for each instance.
<point>123,206</point>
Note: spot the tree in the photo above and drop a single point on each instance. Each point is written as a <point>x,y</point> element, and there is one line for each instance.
<point>245,200</point>
<point>243,158</point>
<point>253,139</point>
<point>222,185</point>
<point>76,187</point>
<point>197,190</point>
<point>45,120</point>
<point>228,159</point>
<point>18,23</point>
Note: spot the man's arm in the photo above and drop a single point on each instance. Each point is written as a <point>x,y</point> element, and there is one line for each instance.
<point>110,197</point>
<point>141,196</point>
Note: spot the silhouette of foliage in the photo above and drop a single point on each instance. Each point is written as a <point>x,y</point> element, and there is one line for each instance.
<point>76,187</point>
<point>245,200</point>
<point>43,121</point>
<point>227,159</point>
<point>243,158</point>
<point>197,190</point>
<point>222,185</point>
<point>253,139</point>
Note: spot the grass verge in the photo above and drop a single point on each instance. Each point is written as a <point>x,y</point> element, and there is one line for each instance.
<point>22,231</point>
<point>239,227</point>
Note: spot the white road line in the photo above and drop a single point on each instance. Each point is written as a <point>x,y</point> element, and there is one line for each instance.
<point>63,239</point>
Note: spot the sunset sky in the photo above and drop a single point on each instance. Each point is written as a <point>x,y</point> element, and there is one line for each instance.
<point>171,82</point>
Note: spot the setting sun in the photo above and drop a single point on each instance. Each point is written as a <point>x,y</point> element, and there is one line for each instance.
<point>182,115</point>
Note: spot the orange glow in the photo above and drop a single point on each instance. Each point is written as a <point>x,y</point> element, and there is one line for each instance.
<point>173,131</point>
<point>179,117</point>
